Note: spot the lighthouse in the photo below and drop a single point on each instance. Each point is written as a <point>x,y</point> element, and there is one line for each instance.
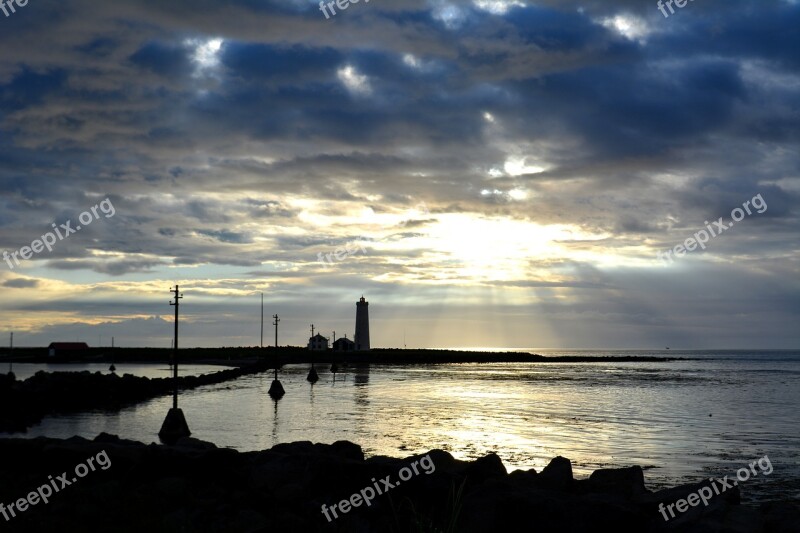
<point>362,325</point>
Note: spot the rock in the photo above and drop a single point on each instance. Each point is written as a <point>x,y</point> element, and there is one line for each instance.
<point>247,520</point>
<point>665,503</point>
<point>556,475</point>
<point>624,481</point>
<point>173,488</point>
<point>293,448</point>
<point>345,450</point>
<point>114,439</point>
<point>524,478</point>
<point>193,486</point>
<point>483,468</point>
<point>195,444</point>
<point>781,517</point>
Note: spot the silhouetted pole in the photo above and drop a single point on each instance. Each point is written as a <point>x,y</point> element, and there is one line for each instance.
<point>334,368</point>
<point>11,354</point>
<point>276,389</point>
<point>112,368</point>
<point>312,377</point>
<point>275,323</point>
<point>174,426</point>
<point>177,305</point>
<point>262,319</point>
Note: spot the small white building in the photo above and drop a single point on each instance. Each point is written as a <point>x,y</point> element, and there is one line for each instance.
<point>344,345</point>
<point>318,343</point>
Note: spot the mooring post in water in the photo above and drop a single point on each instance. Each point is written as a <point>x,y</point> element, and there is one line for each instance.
<point>262,320</point>
<point>174,426</point>
<point>312,377</point>
<point>312,374</point>
<point>276,389</point>
<point>112,368</point>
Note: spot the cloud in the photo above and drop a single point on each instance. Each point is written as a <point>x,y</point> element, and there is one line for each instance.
<point>238,140</point>
<point>21,283</point>
<point>112,268</point>
<point>354,82</point>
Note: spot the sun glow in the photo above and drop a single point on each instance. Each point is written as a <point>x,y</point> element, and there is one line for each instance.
<point>486,249</point>
<point>205,54</point>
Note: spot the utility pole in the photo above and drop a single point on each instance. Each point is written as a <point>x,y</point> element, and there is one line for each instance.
<point>276,328</point>
<point>262,319</point>
<point>312,374</point>
<point>11,354</point>
<point>113,367</point>
<point>174,426</point>
<point>177,304</point>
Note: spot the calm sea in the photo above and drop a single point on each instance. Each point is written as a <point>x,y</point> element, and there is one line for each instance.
<point>681,420</point>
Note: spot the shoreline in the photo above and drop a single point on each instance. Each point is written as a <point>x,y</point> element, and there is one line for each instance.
<point>301,355</point>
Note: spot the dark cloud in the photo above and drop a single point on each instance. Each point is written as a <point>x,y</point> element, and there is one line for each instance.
<point>21,283</point>
<point>112,268</point>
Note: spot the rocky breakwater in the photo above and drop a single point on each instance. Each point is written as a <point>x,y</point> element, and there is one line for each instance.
<point>27,402</point>
<point>193,486</point>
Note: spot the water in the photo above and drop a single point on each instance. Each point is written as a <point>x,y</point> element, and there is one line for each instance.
<point>682,421</point>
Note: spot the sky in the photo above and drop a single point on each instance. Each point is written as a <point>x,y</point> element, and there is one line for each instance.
<point>487,173</point>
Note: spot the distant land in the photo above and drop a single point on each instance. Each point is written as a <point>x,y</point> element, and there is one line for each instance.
<point>298,355</point>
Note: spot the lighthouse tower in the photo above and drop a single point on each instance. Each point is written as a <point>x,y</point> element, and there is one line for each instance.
<point>362,325</point>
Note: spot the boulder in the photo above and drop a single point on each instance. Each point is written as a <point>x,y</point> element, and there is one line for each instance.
<point>627,482</point>
<point>556,475</point>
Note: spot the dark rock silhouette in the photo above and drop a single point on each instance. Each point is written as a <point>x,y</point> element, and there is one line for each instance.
<point>194,486</point>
